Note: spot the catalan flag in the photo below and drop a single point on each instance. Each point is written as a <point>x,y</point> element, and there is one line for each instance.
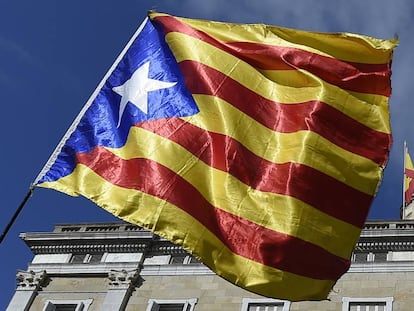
<point>408,177</point>
<point>258,149</point>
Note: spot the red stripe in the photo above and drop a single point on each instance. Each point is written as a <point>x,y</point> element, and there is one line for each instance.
<point>315,116</point>
<point>296,180</point>
<point>409,192</point>
<point>242,237</point>
<point>358,77</point>
<point>409,172</point>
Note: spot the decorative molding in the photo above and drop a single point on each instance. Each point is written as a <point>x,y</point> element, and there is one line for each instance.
<point>81,269</point>
<point>166,248</point>
<point>366,245</point>
<point>89,248</point>
<point>164,270</point>
<point>384,225</point>
<point>377,238</point>
<point>383,267</point>
<point>31,280</point>
<point>98,227</point>
<point>123,279</point>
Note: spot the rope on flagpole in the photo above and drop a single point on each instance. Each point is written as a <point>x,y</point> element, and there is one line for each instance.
<point>16,214</point>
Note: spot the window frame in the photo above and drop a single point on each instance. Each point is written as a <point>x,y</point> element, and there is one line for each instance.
<point>246,302</point>
<point>81,305</point>
<point>347,300</point>
<point>189,304</point>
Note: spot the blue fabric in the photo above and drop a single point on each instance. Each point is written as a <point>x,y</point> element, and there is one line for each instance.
<point>98,126</point>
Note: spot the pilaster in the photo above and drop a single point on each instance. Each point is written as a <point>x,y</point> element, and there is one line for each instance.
<point>121,285</point>
<point>29,283</point>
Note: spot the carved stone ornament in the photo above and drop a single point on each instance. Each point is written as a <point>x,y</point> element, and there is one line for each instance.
<point>31,280</point>
<point>123,278</point>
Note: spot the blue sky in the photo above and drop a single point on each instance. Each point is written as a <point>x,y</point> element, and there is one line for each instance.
<point>54,53</point>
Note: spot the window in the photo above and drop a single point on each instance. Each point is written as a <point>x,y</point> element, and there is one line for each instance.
<point>178,259</point>
<point>367,304</point>
<point>67,305</point>
<point>193,260</point>
<point>77,258</point>
<point>265,305</point>
<point>183,259</point>
<point>171,305</point>
<point>360,257</point>
<point>380,257</point>
<point>94,258</point>
<point>86,258</point>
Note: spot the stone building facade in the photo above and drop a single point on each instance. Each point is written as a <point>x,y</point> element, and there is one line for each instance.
<point>119,266</point>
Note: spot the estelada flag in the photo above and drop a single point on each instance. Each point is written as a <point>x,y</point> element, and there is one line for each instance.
<point>258,149</point>
<point>408,177</point>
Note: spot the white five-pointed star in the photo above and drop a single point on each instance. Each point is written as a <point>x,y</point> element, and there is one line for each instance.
<point>135,90</point>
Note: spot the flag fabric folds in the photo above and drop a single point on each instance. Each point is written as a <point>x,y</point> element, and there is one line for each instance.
<point>259,149</point>
<point>408,177</point>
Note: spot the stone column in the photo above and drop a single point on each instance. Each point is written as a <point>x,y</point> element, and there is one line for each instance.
<point>121,285</point>
<point>29,282</point>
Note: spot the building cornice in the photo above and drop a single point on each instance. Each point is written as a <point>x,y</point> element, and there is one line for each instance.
<point>383,245</point>
<point>103,268</point>
<point>121,237</point>
<point>383,267</point>
<point>80,248</point>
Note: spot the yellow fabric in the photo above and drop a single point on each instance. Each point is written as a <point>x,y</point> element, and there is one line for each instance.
<point>169,221</point>
<point>283,214</point>
<point>269,84</point>
<point>408,165</point>
<point>344,46</point>
<point>222,187</point>
<point>283,147</point>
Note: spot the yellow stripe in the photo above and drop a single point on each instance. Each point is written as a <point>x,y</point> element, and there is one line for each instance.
<point>407,181</point>
<point>228,193</point>
<point>370,110</point>
<point>408,161</point>
<point>172,223</point>
<point>298,147</point>
<point>344,46</point>
<point>408,165</point>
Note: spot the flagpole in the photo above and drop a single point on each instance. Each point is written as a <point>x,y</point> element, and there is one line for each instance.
<point>69,132</point>
<point>16,214</point>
